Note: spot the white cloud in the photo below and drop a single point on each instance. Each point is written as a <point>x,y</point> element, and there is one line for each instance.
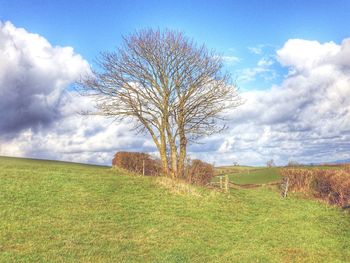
<point>88,139</point>
<point>265,62</point>
<point>261,70</point>
<point>33,79</point>
<point>256,50</point>
<point>305,55</point>
<point>230,59</point>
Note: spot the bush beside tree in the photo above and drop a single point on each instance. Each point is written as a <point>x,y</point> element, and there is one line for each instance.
<point>136,162</point>
<point>199,172</point>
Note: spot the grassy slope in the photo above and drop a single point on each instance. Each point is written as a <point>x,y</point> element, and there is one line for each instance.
<point>56,212</point>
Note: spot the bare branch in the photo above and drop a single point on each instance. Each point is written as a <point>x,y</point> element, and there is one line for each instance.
<point>172,88</point>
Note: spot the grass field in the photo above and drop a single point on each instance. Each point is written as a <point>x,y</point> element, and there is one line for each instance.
<point>251,175</point>
<point>233,169</point>
<point>258,175</point>
<point>62,212</point>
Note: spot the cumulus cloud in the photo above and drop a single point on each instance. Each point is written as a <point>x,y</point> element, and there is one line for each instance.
<point>33,79</point>
<point>38,110</point>
<point>87,139</point>
<point>306,118</point>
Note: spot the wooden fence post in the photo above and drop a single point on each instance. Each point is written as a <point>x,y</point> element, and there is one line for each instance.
<point>226,182</point>
<point>220,182</point>
<point>143,167</point>
<point>287,185</point>
<point>284,187</point>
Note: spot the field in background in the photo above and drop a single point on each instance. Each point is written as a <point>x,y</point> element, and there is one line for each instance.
<point>234,169</point>
<point>64,212</point>
<point>249,175</point>
<point>243,175</point>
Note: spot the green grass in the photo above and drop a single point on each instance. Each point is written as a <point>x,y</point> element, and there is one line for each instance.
<point>61,212</point>
<point>256,176</point>
<point>252,175</point>
<point>233,169</point>
<point>259,175</point>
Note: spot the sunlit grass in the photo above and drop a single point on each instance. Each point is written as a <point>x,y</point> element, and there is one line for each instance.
<point>62,212</point>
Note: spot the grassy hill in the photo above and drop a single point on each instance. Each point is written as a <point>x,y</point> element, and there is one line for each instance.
<point>63,212</point>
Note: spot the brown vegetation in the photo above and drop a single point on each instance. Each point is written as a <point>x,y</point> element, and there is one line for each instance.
<point>136,162</point>
<point>332,186</point>
<point>199,172</point>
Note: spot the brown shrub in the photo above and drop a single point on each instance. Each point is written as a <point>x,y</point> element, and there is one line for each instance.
<point>321,184</point>
<point>346,167</point>
<point>135,162</point>
<point>330,185</point>
<point>333,186</point>
<point>299,179</point>
<point>199,172</point>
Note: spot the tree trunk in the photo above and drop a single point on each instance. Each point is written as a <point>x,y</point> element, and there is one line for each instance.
<point>164,161</point>
<point>183,153</point>
<point>163,155</point>
<point>173,151</point>
<point>174,161</point>
<point>161,146</point>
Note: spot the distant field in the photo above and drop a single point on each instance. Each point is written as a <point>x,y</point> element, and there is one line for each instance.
<point>250,175</point>
<point>63,212</point>
<point>234,169</point>
<point>259,175</point>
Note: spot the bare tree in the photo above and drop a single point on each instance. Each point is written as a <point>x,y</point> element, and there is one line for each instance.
<point>270,163</point>
<point>172,88</point>
<point>293,164</point>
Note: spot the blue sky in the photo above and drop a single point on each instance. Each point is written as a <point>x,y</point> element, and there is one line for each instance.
<point>230,27</point>
<point>291,61</point>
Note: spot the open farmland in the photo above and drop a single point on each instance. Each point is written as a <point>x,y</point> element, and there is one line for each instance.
<point>64,212</point>
<point>244,175</point>
<point>250,175</point>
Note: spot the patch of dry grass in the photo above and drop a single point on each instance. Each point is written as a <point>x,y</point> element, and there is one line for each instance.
<point>178,186</point>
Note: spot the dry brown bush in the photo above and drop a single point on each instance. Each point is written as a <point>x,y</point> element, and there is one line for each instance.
<point>199,172</point>
<point>330,185</point>
<point>346,167</point>
<point>299,179</point>
<point>333,186</point>
<point>135,162</point>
